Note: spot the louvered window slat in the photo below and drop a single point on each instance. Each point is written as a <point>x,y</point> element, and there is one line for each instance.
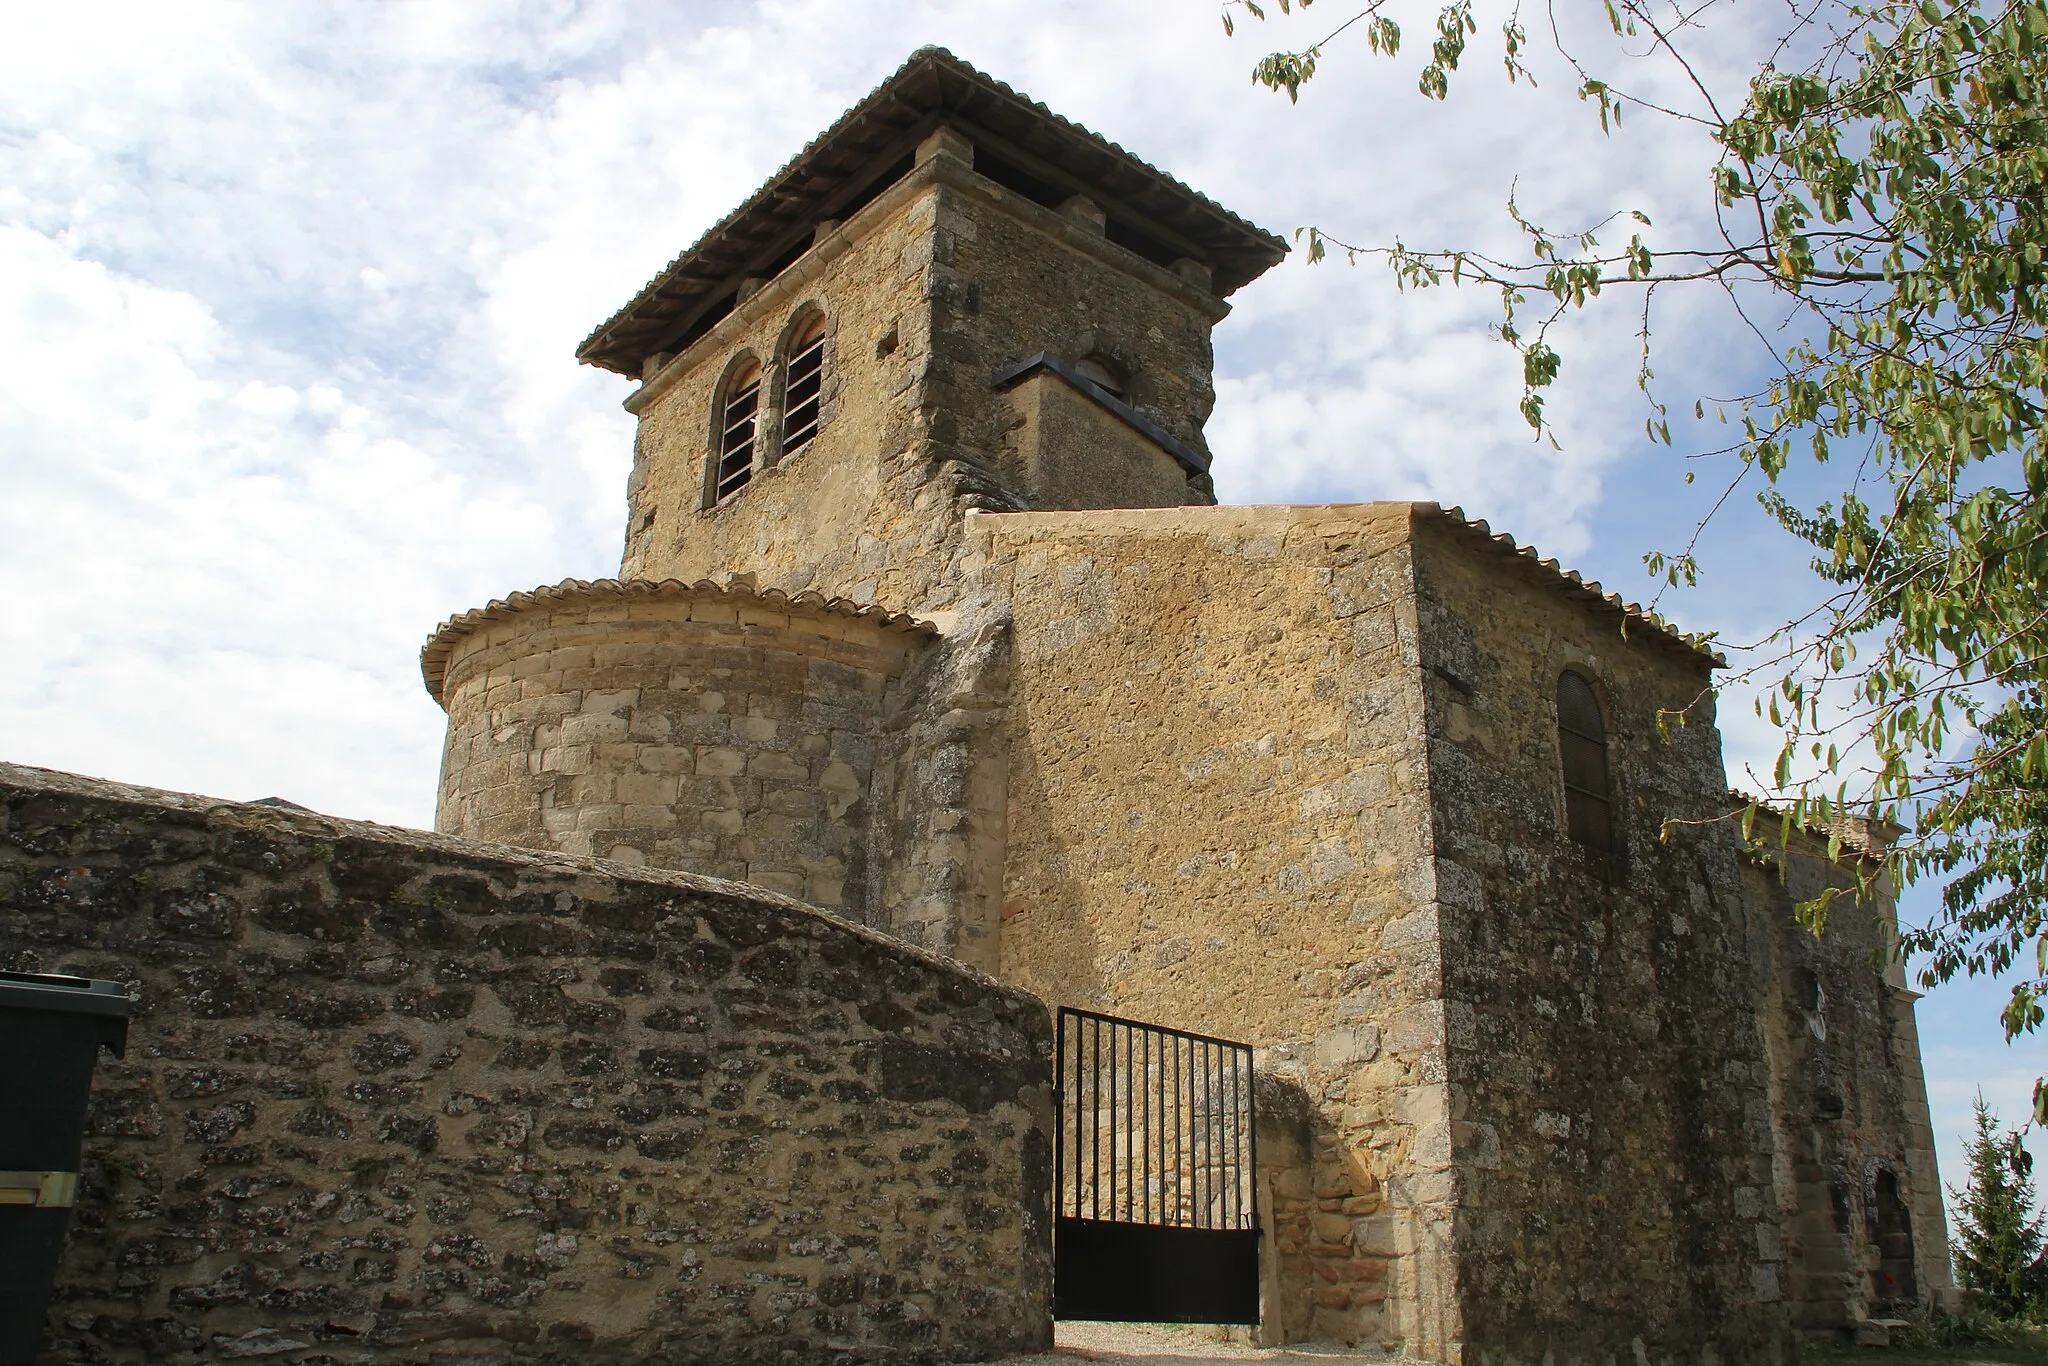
<point>803,389</point>
<point>736,440</point>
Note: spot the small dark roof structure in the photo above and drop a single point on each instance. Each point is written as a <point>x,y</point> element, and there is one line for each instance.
<point>871,146</point>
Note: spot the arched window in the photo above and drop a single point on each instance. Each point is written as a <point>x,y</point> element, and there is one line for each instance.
<point>1582,745</point>
<point>803,386</point>
<point>741,412</point>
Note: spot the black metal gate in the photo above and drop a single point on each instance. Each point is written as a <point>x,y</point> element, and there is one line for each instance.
<point>1157,1221</point>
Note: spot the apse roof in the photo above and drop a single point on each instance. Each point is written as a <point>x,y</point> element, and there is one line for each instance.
<point>440,646</point>
<point>868,146</point>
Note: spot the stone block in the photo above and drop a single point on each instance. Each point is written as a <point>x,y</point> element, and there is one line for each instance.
<point>609,702</point>
<point>665,759</point>
<point>646,789</point>
<point>1412,1189</point>
<point>1382,1236</point>
<point>1331,1228</point>
<point>719,761</point>
<point>1347,1046</point>
<point>776,766</point>
<point>1415,1028</point>
<point>583,728</point>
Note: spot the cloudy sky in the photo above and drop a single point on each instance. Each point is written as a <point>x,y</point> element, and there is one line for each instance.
<point>289,296</point>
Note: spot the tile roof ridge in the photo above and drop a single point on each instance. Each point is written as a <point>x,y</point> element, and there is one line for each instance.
<point>932,55</point>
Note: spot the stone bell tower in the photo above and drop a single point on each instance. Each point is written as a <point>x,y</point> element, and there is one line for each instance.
<point>952,299</point>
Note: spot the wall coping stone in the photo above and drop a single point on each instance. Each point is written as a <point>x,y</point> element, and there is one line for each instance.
<point>1639,624</point>
<point>28,779</point>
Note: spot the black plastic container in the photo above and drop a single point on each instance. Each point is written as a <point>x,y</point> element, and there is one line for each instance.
<point>51,1031</point>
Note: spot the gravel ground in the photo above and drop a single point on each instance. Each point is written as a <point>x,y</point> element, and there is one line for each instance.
<point>1149,1344</point>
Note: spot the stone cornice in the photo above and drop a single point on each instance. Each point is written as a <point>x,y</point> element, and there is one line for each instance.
<point>785,290</point>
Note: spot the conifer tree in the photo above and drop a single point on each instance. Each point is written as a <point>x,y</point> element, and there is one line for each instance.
<point>1998,1247</point>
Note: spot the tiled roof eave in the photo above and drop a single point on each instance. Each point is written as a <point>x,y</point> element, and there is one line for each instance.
<point>1638,622</point>
<point>1860,835</point>
<point>900,92</point>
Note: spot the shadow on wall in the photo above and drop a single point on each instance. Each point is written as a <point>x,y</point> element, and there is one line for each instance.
<point>1328,1246</point>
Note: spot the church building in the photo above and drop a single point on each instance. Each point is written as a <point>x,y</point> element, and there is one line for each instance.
<point>927,616</point>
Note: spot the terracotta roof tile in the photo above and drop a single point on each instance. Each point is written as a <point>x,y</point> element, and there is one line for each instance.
<point>1639,620</point>
<point>932,86</point>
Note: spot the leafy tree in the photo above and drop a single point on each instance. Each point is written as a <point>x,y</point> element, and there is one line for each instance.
<point>1998,1246</point>
<point>1879,197</point>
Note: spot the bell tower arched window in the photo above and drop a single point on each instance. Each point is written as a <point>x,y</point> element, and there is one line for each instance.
<point>803,386</point>
<point>1582,746</point>
<point>739,416</point>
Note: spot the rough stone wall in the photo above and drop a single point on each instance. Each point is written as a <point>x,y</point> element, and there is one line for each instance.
<point>942,794</point>
<point>714,731</point>
<point>1848,1098</point>
<point>392,1097</point>
<point>1046,281</point>
<point>1218,821</point>
<point>1062,450</point>
<point>1607,1079</point>
<point>926,291</point>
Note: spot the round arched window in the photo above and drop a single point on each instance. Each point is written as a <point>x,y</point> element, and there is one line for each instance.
<point>742,410</point>
<point>803,387</point>
<point>1582,747</point>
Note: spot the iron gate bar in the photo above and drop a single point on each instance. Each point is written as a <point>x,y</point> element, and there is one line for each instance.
<point>1155,1162</point>
<point>1190,1166</point>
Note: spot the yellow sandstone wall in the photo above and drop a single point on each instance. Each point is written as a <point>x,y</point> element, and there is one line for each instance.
<point>1218,821</point>
<point>926,291</point>
<point>843,516</point>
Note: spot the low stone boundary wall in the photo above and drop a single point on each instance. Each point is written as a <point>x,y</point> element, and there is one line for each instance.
<point>397,1097</point>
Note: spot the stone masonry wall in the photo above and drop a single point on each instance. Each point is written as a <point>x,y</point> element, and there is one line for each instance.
<point>1063,450</point>
<point>1848,1098</point>
<point>941,804</point>
<point>1218,821</point>
<point>1047,281</point>
<point>714,730</point>
<point>1607,1078</point>
<point>868,510</point>
<point>397,1098</point>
